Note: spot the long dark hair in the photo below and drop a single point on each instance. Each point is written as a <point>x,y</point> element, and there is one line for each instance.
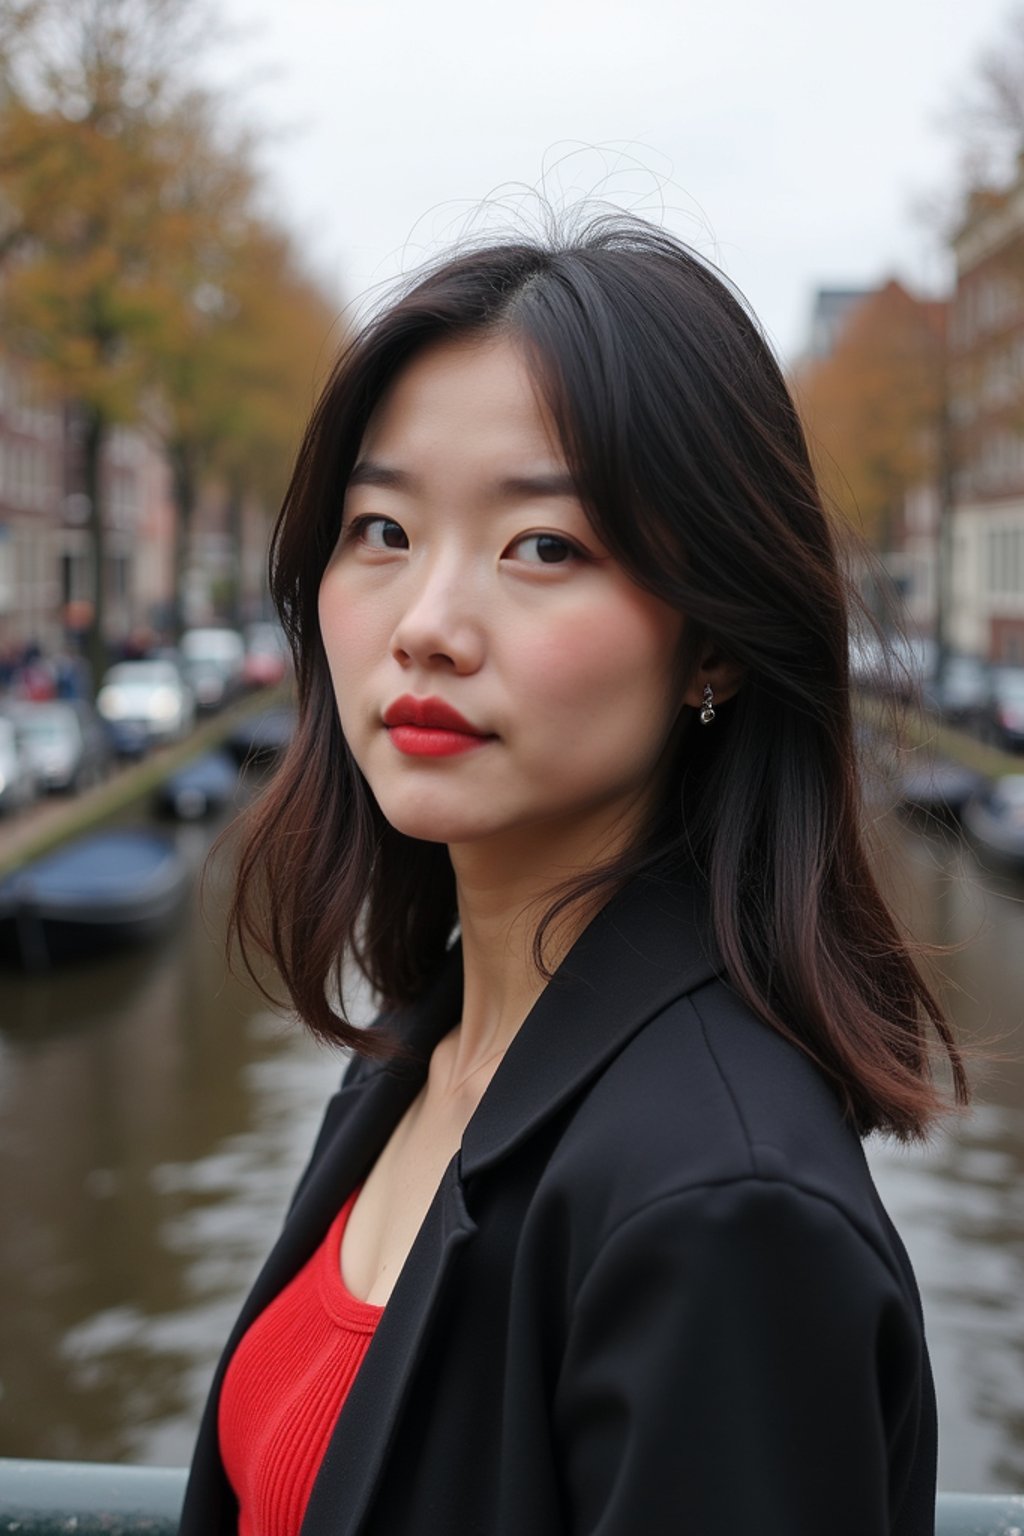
<point>691,463</point>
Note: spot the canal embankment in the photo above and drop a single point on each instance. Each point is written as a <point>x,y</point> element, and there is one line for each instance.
<point>908,730</point>
<point>56,819</point>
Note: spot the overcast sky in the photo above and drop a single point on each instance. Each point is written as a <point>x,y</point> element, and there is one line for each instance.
<point>790,141</point>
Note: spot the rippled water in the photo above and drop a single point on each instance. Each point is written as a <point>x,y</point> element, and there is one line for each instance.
<point>959,1203</point>
<point>154,1114</point>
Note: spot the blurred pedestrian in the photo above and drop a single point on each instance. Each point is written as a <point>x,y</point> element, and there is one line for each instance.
<point>34,678</point>
<point>587,1242</point>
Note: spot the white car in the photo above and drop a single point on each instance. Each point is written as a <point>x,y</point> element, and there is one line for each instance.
<point>213,662</point>
<point>150,697</point>
<point>66,742</point>
<point>17,777</point>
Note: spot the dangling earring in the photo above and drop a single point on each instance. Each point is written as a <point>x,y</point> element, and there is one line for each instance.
<point>707,713</point>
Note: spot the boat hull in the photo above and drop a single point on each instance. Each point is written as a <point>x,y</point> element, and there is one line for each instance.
<point>199,789</point>
<point>100,893</point>
<point>995,843</point>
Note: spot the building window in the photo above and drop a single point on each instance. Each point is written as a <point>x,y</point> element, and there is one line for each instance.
<point>1005,561</point>
<point>120,571</point>
<point>75,572</point>
<point>6,570</point>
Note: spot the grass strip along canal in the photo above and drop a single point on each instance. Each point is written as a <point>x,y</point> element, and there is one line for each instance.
<point>54,821</point>
<point>915,730</point>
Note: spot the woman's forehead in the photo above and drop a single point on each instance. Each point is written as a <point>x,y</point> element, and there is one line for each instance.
<point>469,400</point>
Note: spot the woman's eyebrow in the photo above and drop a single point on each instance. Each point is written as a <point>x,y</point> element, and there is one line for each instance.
<point>553,483</point>
<point>556,482</point>
<point>369,472</point>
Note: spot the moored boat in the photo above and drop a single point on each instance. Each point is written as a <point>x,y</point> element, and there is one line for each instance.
<point>97,893</point>
<point>994,822</point>
<point>198,789</point>
<point>938,787</point>
<point>262,738</point>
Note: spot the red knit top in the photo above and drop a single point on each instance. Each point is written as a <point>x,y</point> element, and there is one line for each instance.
<point>284,1387</point>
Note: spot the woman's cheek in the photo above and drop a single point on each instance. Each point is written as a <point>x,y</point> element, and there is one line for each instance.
<point>343,627</point>
<point>605,657</point>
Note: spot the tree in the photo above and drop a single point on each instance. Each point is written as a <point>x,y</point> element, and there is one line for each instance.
<point>987,118</point>
<point>138,277</point>
<point>874,408</point>
<point>235,364</point>
<point>274,355</point>
<point>88,89</point>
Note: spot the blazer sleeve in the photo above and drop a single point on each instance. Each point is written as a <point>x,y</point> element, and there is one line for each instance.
<point>740,1358</point>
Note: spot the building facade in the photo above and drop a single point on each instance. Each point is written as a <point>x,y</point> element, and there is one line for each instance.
<point>986,376</point>
<point>32,464</point>
<point>46,559</point>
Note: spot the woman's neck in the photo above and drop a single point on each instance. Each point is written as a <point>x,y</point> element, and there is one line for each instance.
<point>500,904</point>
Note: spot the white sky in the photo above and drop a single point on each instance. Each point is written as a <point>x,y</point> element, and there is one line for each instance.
<point>789,140</point>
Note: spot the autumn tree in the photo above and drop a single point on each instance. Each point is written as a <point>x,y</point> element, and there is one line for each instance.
<point>244,329</point>
<point>138,277</point>
<point>276,349</point>
<point>874,408</point>
<point>88,86</point>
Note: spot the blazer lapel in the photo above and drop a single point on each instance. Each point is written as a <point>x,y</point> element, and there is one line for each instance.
<point>357,1124</point>
<point>363,1116</point>
<point>651,944</point>
<point>356,1455</point>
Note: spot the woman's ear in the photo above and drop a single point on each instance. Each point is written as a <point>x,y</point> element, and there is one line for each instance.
<point>723,675</point>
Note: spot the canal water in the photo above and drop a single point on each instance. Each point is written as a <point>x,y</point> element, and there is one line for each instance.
<point>155,1112</point>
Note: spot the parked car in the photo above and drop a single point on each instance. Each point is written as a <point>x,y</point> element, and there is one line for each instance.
<point>1006,718</point>
<point>867,659</point>
<point>911,663</point>
<point>17,776</point>
<point>65,740</point>
<point>213,661</point>
<point>266,655</point>
<point>962,691</point>
<point>937,786</point>
<point>894,665</point>
<point>145,703</point>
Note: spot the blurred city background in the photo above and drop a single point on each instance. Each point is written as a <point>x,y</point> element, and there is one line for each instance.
<point>192,201</point>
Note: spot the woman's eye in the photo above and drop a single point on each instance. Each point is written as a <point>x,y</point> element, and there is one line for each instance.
<point>545,549</point>
<point>378,533</point>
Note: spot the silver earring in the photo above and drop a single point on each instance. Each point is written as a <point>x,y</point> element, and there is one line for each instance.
<point>707,713</point>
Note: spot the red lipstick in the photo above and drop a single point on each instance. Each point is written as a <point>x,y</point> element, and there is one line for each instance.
<point>430,728</point>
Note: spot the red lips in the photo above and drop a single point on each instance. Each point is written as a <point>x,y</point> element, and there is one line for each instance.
<point>431,713</point>
<point>431,728</point>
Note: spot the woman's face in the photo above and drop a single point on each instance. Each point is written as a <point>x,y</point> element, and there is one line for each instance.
<point>468,579</point>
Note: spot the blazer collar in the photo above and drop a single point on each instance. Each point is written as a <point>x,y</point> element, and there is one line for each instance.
<point>650,944</point>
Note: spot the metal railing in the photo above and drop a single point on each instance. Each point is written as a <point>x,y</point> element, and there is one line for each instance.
<point>44,1498</point>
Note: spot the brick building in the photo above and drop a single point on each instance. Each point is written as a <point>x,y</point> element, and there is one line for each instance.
<point>986,349</point>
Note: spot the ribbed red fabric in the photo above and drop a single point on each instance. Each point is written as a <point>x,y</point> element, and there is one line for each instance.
<point>285,1385</point>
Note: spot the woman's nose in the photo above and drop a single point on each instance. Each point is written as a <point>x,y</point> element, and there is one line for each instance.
<point>440,625</point>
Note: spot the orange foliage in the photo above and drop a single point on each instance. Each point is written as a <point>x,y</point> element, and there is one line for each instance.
<point>873,408</point>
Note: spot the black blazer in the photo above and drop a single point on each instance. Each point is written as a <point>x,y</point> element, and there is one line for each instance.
<point>655,1292</point>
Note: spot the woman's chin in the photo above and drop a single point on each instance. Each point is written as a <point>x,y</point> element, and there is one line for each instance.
<point>432,826</point>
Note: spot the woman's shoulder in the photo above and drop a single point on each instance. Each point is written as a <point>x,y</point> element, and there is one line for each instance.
<point>707,1097</point>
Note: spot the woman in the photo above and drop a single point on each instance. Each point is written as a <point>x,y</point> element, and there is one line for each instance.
<point>587,1242</point>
